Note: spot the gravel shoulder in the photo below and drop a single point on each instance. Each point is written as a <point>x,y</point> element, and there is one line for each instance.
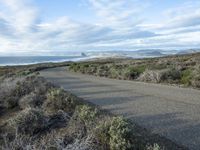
<point>169,111</point>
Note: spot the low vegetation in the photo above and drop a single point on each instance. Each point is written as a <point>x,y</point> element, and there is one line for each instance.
<point>36,115</point>
<point>183,70</point>
<point>17,71</point>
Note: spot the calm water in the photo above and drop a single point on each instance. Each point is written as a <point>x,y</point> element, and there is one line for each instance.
<point>82,56</point>
<point>36,59</point>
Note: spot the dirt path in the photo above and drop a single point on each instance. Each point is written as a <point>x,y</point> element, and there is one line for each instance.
<point>169,111</point>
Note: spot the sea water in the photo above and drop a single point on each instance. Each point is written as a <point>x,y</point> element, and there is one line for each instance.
<point>25,60</point>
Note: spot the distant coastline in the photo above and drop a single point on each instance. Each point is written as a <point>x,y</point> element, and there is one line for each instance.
<point>28,60</point>
<point>93,55</point>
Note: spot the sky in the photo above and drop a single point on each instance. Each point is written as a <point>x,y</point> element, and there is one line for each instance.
<point>52,27</point>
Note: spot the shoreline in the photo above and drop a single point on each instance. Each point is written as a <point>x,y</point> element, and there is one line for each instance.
<point>75,59</point>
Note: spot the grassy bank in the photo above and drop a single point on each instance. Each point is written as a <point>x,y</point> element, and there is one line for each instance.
<point>36,115</point>
<point>182,70</point>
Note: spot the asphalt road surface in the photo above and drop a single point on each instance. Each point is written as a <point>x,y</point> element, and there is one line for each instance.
<point>169,111</point>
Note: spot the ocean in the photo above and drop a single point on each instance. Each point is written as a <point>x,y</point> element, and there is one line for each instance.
<point>25,60</point>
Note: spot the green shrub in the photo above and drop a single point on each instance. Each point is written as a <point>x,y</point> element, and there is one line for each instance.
<point>20,142</point>
<point>114,133</point>
<point>29,121</point>
<point>172,74</point>
<point>114,73</point>
<point>133,72</point>
<point>10,102</point>
<point>31,100</point>
<point>154,147</point>
<point>102,135</point>
<point>196,81</point>
<point>23,73</point>
<point>141,69</point>
<point>119,134</point>
<point>102,71</point>
<point>87,113</point>
<point>158,66</point>
<point>58,99</point>
<point>23,88</point>
<point>186,77</point>
<point>11,91</point>
<point>74,67</point>
<point>155,76</point>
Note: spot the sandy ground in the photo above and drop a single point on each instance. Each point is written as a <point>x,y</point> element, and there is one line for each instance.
<point>169,111</point>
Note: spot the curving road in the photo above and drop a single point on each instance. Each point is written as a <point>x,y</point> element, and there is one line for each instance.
<point>170,111</point>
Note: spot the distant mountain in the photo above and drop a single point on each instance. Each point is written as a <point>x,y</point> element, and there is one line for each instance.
<point>144,53</point>
<point>150,52</point>
<point>189,51</point>
<point>132,54</point>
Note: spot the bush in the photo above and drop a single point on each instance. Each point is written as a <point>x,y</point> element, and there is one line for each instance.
<point>167,75</point>
<point>23,73</point>
<point>102,133</point>
<point>31,100</point>
<point>114,73</point>
<point>186,77</point>
<point>29,122</point>
<point>172,75</point>
<point>21,88</point>
<point>154,147</point>
<point>151,76</point>
<point>10,102</point>
<point>7,97</point>
<point>102,71</point>
<point>12,90</point>
<point>58,99</point>
<point>20,142</point>
<point>119,134</point>
<point>133,72</point>
<point>86,143</point>
<point>114,134</point>
<point>87,114</point>
<point>196,81</point>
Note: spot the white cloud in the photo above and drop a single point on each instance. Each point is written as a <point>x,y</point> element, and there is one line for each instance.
<point>186,15</point>
<point>180,28</point>
<point>19,14</point>
<point>118,13</point>
<point>120,26</point>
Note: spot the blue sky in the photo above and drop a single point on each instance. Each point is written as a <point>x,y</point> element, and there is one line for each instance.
<point>50,27</point>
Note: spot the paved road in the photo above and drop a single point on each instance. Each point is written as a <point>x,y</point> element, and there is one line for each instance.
<point>172,112</point>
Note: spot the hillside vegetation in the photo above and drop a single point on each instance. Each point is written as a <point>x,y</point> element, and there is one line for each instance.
<point>36,115</point>
<point>17,71</point>
<point>182,70</point>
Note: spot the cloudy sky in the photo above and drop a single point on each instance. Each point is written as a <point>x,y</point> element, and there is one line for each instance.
<point>42,27</point>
